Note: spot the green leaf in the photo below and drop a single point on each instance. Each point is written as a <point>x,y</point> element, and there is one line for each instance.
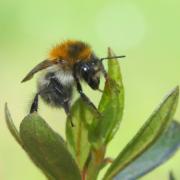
<point>111,106</point>
<point>12,128</point>
<point>167,144</point>
<point>77,137</point>
<point>47,149</point>
<point>147,135</point>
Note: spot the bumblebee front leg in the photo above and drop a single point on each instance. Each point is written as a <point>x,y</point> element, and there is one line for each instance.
<point>104,72</point>
<point>106,76</point>
<point>84,97</point>
<point>34,106</point>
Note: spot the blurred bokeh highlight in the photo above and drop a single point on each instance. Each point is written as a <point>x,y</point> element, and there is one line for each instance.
<point>147,32</point>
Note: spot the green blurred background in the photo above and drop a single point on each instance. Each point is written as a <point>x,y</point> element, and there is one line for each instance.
<point>148,32</point>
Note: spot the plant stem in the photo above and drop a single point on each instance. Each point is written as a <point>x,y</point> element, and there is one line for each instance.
<point>97,158</point>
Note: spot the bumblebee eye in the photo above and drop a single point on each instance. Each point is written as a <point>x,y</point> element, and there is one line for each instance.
<point>85,69</point>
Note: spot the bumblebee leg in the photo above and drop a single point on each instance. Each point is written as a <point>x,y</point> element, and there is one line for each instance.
<point>106,77</point>
<point>34,106</point>
<point>67,111</point>
<point>84,97</point>
<point>60,91</point>
<point>105,74</point>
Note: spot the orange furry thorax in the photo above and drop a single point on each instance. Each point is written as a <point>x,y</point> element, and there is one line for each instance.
<point>71,51</point>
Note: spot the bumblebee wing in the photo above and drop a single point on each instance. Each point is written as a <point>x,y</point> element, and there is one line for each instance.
<point>44,64</point>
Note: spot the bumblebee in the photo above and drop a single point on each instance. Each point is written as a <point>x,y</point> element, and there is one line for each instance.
<point>68,64</point>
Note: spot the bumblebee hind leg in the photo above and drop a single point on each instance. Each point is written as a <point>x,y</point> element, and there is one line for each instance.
<point>34,106</point>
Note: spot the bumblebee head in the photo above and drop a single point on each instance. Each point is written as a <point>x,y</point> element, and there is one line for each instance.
<point>91,70</point>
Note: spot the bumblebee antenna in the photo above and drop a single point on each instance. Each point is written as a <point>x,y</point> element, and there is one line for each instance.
<point>113,57</point>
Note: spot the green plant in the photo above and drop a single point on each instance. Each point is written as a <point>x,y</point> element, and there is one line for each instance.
<point>83,154</point>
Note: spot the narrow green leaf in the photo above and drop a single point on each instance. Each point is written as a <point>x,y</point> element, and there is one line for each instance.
<point>111,106</point>
<point>77,136</point>
<point>147,135</point>
<point>47,149</point>
<point>167,144</point>
<point>10,124</point>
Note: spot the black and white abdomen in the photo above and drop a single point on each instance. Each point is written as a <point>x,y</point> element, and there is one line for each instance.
<point>55,86</point>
